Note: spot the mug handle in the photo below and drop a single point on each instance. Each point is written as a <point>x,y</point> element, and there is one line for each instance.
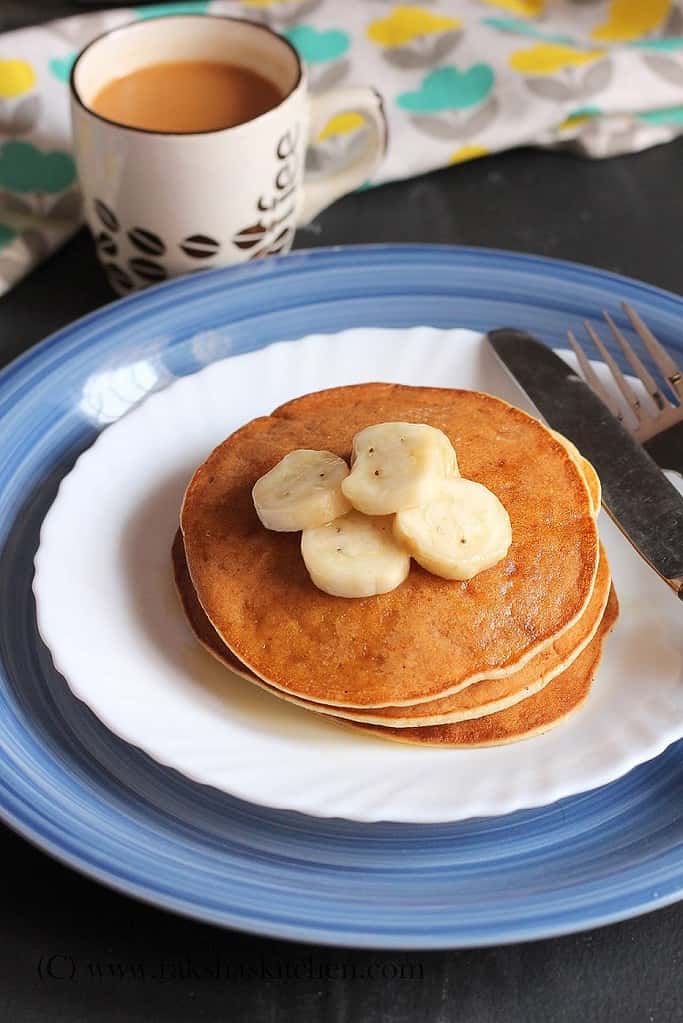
<point>359,99</point>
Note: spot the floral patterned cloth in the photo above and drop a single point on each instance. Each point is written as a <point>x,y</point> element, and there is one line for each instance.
<point>460,79</point>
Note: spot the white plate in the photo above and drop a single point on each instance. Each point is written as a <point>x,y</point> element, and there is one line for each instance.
<point>109,614</point>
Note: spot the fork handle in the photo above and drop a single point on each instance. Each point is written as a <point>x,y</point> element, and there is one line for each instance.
<point>667,448</point>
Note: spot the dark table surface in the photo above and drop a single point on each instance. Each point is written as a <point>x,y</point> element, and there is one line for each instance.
<point>98,948</point>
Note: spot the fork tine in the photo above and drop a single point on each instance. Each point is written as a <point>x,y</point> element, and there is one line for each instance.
<point>666,364</point>
<point>591,377</point>
<point>638,368</point>
<point>619,378</point>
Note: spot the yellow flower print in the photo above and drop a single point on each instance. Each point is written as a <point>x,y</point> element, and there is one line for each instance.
<point>342,124</point>
<point>16,77</point>
<point>546,58</point>
<point>631,19</point>
<point>263,3</point>
<point>405,23</point>
<point>524,8</point>
<point>573,121</point>
<point>471,152</point>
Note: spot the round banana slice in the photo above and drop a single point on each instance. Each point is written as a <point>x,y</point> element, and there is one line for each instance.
<point>463,531</point>
<point>302,491</point>
<point>355,556</point>
<point>396,466</point>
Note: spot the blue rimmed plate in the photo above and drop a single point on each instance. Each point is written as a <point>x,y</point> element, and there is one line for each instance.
<point>109,810</point>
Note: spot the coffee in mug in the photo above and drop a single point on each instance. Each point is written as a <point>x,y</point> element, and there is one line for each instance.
<point>186,96</point>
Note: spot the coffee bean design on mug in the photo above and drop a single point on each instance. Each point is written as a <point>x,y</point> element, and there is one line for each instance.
<point>106,244</point>
<point>118,278</point>
<point>279,243</point>
<point>249,236</point>
<point>200,246</point>
<point>146,268</point>
<point>271,234</point>
<point>146,241</point>
<point>106,216</point>
<point>151,244</point>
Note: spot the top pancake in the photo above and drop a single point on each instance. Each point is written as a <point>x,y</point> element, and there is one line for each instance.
<point>429,636</point>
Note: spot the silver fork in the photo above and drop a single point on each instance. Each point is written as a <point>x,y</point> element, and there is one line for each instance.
<point>659,422</point>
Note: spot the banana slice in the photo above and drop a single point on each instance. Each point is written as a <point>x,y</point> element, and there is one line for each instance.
<point>302,491</point>
<point>396,466</point>
<point>355,556</point>
<point>463,531</point>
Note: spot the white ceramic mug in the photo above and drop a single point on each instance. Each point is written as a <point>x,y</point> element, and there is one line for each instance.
<point>161,204</point>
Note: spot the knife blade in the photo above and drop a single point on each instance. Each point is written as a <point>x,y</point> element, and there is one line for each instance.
<point>637,495</point>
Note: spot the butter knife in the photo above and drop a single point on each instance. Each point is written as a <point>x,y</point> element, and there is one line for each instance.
<point>638,497</point>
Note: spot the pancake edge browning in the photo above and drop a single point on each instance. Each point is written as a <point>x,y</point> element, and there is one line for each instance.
<point>207,636</point>
<point>440,736</point>
<point>584,667</point>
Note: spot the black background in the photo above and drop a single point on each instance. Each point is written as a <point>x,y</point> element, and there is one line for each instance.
<point>73,951</point>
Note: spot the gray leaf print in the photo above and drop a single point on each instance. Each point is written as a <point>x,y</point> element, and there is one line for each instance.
<point>316,159</point>
<point>600,141</point>
<point>327,76</point>
<point>674,23</point>
<point>281,15</point>
<point>5,117</point>
<point>423,51</point>
<point>258,15</point>
<point>25,116</point>
<point>622,142</point>
<point>67,207</point>
<point>596,78</point>
<point>549,88</point>
<point>81,29</point>
<point>479,121</point>
<point>336,152</point>
<point>665,67</point>
<point>15,203</point>
<point>447,126</point>
<point>603,137</point>
<point>456,124</point>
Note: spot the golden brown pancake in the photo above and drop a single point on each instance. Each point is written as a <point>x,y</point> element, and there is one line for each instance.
<point>589,474</point>
<point>196,616</point>
<point>477,700</point>
<point>593,482</point>
<point>530,717</point>
<point>429,637</point>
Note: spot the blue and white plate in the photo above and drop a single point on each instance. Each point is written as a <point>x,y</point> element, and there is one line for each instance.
<point>108,809</point>
<point>113,523</point>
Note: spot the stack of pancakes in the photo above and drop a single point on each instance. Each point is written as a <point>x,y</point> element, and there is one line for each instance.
<point>500,657</point>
